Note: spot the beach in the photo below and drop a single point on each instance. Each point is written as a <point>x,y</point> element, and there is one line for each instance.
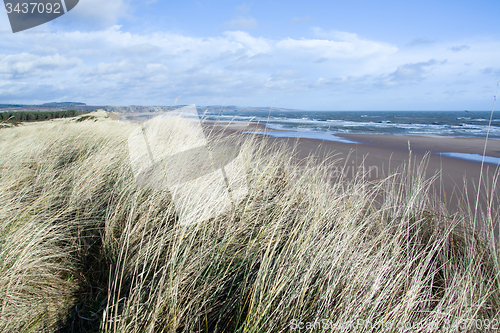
<point>456,179</point>
<point>82,227</point>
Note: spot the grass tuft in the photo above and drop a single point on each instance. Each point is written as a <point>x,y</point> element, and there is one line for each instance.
<point>83,248</point>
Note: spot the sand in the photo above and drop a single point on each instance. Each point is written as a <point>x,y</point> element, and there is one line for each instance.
<point>456,179</point>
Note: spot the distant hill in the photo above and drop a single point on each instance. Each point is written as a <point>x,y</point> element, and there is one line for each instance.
<point>22,116</point>
<point>214,108</point>
<point>7,106</point>
<point>49,107</point>
<point>63,103</point>
<point>78,106</point>
<point>227,108</point>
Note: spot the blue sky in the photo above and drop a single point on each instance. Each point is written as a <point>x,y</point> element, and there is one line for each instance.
<point>314,55</point>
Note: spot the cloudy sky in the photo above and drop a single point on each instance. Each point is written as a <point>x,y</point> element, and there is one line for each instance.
<point>312,55</point>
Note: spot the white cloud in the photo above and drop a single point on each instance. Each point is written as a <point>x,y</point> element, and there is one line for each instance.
<point>106,69</point>
<point>24,64</point>
<point>331,49</point>
<point>337,54</point>
<point>409,73</point>
<point>252,44</point>
<point>112,66</point>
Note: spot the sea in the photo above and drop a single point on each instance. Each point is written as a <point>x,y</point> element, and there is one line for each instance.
<point>325,124</point>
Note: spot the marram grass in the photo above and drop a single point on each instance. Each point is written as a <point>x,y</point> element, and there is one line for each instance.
<point>84,249</point>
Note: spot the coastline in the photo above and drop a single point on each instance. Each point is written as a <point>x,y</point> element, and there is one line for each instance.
<point>433,143</point>
<point>380,155</point>
<point>396,142</point>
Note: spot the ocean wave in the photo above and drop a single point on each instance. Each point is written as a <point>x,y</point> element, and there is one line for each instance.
<point>414,123</point>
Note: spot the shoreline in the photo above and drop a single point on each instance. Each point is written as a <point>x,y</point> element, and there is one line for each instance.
<point>457,148</point>
<point>379,155</point>
<point>434,144</point>
<point>417,143</point>
<point>382,154</point>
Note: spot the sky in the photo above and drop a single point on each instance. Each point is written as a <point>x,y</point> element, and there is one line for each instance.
<point>309,55</point>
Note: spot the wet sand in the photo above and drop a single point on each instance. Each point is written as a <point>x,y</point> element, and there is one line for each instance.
<point>456,180</point>
<point>380,155</point>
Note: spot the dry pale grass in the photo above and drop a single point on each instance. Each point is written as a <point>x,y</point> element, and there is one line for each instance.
<point>84,249</point>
